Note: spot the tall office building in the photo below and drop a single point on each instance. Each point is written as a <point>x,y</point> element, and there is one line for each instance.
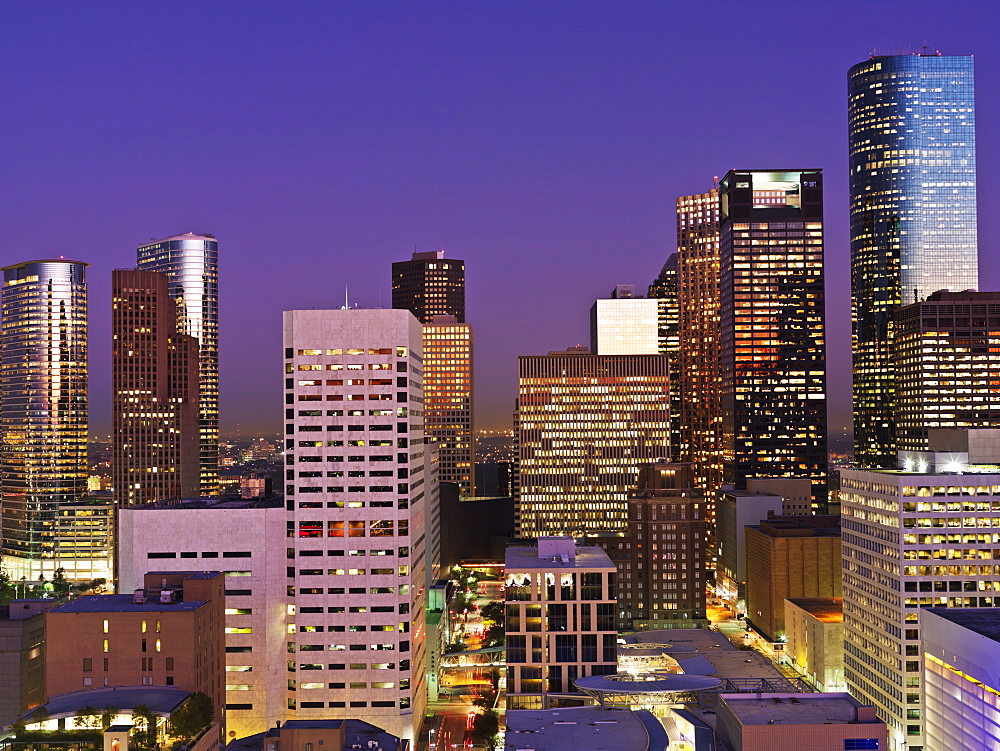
<point>699,382</point>
<point>155,426</point>
<point>43,391</point>
<point>191,263</point>
<point>358,496</point>
<point>430,285</point>
<point>913,213</point>
<point>448,399</point>
<point>924,537</point>
<point>946,358</point>
<point>585,424</point>
<point>666,292</point>
<point>773,350</point>
<point>625,326</point>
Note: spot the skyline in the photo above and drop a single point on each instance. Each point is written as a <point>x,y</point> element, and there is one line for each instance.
<point>322,144</point>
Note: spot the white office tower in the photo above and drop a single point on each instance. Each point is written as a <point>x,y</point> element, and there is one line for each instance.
<point>922,536</point>
<point>357,502</point>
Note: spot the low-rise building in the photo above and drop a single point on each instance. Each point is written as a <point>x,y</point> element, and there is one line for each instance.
<point>560,621</point>
<point>168,633</point>
<point>819,722</point>
<point>583,729</point>
<point>734,510</point>
<point>335,735</point>
<point>22,657</point>
<point>961,677</point>
<point>789,556</point>
<point>815,630</point>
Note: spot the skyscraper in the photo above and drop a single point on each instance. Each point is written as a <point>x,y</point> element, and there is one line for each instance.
<point>448,399</point>
<point>773,350</point>
<point>191,263</point>
<point>585,425</point>
<point>430,285</point>
<point>913,213</point>
<point>155,426</point>
<point>625,326</point>
<point>699,381</point>
<point>666,292</point>
<point>43,391</point>
<point>359,494</point>
<point>946,359</point>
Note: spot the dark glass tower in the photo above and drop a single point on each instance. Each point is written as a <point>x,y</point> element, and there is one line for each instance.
<point>913,214</point>
<point>191,263</point>
<point>430,285</point>
<point>664,289</point>
<point>43,386</point>
<point>772,321</point>
<point>155,426</point>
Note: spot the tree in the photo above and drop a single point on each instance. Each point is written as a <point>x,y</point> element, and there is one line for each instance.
<point>87,717</point>
<point>494,676</point>
<point>485,729</point>
<point>494,636</point>
<point>455,646</point>
<point>60,585</point>
<point>8,591</point>
<point>108,716</point>
<point>192,717</point>
<point>144,727</point>
<point>493,612</point>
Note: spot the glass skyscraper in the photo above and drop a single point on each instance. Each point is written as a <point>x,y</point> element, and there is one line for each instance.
<point>191,263</point>
<point>43,386</point>
<point>913,213</point>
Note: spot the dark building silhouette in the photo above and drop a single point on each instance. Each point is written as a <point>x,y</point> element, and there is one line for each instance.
<point>430,285</point>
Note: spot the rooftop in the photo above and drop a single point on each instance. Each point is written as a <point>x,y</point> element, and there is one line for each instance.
<point>161,699</point>
<point>794,709</point>
<point>357,734</point>
<point>527,559</point>
<point>124,604</point>
<point>983,621</point>
<point>826,609</point>
<point>212,503</point>
<point>581,729</point>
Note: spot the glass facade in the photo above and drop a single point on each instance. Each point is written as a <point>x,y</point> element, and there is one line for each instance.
<point>698,381</point>
<point>448,399</point>
<point>772,327</point>
<point>664,290</point>
<point>430,285</point>
<point>191,263</point>
<point>913,213</point>
<point>43,385</point>
<point>585,425</point>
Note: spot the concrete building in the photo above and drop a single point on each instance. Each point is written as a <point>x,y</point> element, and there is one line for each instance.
<point>155,424</point>
<point>625,326</point>
<point>772,327</point>
<point>585,425</point>
<point>814,627</point>
<point>43,393</point>
<point>961,678</point>
<point>358,493</point>
<point>946,355</point>
<point>561,621</point>
<point>334,735</point>
<point>583,729</point>
<point>246,540</point>
<point>914,539</point>
<point>734,510</point>
<point>789,556</point>
<point>818,722</point>
<point>22,657</point>
<point>169,632</point>
<point>191,264</point>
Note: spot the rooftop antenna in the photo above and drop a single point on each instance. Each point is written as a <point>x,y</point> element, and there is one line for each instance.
<point>347,305</point>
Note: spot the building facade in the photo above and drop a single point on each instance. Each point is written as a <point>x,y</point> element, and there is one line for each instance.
<point>191,264</point>
<point>560,621</point>
<point>43,393</point>
<point>699,379</point>
<point>913,213</point>
<point>357,498</point>
<point>155,383</point>
<point>246,541</point>
<point>911,540</point>
<point>22,657</point>
<point>665,290</point>
<point>585,424</point>
<point>772,321</point>
<point>448,399</point>
<point>946,361</point>
<point>960,652</point>
<point>815,630</point>
<point>789,556</point>
<point>734,510</point>
<point>625,326</point>
<point>430,285</point>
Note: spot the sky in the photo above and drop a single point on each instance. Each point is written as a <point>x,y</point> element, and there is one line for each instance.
<point>542,142</point>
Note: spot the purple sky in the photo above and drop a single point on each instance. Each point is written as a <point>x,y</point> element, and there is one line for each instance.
<point>544,143</point>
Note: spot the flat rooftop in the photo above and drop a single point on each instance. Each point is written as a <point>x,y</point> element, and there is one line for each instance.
<point>983,621</point>
<point>794,709</point>
<point>579,729</point>
<point>826,609</point>
<point>124,604</point>
<point>357,734</point>
<point>194,504</point>
<point>527,559</point>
